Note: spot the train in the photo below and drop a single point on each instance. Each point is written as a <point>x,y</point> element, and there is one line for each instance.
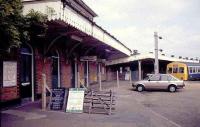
<point>184,71</point>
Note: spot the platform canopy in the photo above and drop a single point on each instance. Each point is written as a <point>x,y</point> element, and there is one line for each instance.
<point>146,56</point>
<point>74,20</point>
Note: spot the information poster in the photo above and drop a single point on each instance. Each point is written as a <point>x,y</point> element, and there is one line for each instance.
<point>9,74</point>
<point>58,98</point>
<point>75,100</point>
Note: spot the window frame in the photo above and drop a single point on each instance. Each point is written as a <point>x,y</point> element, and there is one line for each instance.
<point>180,69</point>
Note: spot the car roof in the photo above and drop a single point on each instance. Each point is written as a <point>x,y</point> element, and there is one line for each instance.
<point>157,74</point>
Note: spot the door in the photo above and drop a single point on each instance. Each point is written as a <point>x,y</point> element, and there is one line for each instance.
<point>25,73</point>
<point>164,81</point>
<point>54,72</point>
<point>74,70</point>
<point>153,82</point>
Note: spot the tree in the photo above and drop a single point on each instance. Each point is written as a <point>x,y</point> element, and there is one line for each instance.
<point>15,28</point>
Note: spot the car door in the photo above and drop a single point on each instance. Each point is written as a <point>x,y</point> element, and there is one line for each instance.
<point>153,82</point>
<point>164,82</point>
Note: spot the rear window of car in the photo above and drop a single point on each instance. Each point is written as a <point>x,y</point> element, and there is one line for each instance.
<point>171,78</point>
<point>164,77</point>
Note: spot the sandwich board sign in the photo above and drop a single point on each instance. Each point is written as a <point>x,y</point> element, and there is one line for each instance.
<point>75,100</point>
<point>58,98</point>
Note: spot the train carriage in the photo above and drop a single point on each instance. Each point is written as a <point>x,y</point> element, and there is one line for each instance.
<point>184,71</point>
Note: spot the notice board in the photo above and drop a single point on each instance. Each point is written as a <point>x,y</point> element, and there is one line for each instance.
<point>75,100</point>
<point>58,98</point>
<point>9,73</point>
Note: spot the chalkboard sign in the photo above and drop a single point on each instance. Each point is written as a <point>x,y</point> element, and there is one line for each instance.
<point>58,98</point>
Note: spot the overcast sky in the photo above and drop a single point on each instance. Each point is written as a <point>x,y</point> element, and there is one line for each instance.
<point>133,22</point>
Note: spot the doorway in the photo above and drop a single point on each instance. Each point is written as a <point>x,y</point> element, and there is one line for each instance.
<point>74,72</point>
<point>55,70</point>
<point>25,74</point>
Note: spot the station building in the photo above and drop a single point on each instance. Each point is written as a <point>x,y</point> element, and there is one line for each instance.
<point>137,66</point>
<point>73,52</point>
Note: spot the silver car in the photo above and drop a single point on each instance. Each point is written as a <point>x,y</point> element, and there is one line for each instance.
<point>159,81</point>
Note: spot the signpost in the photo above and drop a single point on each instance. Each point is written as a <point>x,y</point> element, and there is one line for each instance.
<point>88,58</point>
<point>75,100</point>
<point>58,98</point>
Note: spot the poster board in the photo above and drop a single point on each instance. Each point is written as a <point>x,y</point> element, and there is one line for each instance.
<point>75,100</point>
<point>58,98</point>
<point>9,73</point>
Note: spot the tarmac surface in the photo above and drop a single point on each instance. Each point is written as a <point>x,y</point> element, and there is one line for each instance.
<point>133,109</point>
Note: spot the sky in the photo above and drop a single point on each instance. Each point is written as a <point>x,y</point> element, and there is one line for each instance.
<point>134,22</point>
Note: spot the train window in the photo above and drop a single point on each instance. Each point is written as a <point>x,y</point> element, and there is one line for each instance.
<point>199,69</point>
<point>193,70</point>
<point>175,70</point>
<point>169,70</point>
<point>181,69</point>
<point>190,69</point>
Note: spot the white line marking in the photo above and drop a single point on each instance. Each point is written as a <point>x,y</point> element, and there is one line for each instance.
<point>177,125</point>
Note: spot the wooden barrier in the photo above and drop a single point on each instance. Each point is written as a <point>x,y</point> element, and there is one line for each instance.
<point>98,100</point>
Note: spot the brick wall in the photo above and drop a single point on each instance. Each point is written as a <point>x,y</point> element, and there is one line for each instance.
<point>41,66</point>
<point>65,73</point>
<point>103,74</point>
<point>10,93</point>
<point>81,73</point>
<point>92,72</point>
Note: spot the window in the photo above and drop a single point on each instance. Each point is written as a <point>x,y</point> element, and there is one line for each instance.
<point>199,69</point>
<point>181,69</point>
<point>164,77</point>
<point>171,78</point>
<point>169,70</point>
<point>193,69</point>
<point>175,70</point>
<point>190,70</point>
<point>103,70</point>
<point>154,77</point>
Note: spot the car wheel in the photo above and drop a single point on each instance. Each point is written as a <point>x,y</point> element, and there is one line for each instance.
<point>140,88</point>
<point>172,88</point>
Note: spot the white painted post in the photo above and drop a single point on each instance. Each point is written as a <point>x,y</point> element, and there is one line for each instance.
<point>139,70</point>
<point>130,77</point>
<point>87,69</point>
<point>99,73</point>
<point>156,65</point>
<point>117,79</point>
<point>32,76</point>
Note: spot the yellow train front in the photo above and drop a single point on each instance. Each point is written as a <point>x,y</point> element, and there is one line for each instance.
<point>184,71</point>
